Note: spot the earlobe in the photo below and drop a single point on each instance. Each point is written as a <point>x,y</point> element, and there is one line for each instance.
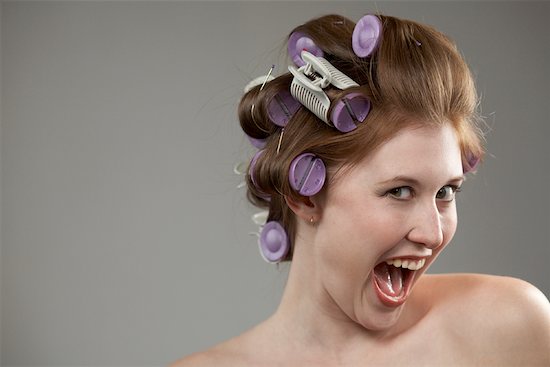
<point>305,207</point>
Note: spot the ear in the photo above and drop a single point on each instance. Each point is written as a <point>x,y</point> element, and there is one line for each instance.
<point>305,207</point>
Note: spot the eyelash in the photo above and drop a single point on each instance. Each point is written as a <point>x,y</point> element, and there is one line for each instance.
<point>392,192</point>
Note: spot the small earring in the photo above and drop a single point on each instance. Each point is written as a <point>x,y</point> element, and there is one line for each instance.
<point>312,220</point>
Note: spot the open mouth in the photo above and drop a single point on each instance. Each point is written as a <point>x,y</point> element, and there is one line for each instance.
<point>393,279</point>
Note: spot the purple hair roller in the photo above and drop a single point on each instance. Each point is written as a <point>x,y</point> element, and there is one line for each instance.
<point>349,111</point>
<point>273,242</point>
<point>307,174</point>
<point>282,107</point>
<point>366,35</point>
<point>299,42</point>
<point>471,164</point>
<point>257,143</point>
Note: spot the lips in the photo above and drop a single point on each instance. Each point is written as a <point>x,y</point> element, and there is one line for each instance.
<point>392,283</point>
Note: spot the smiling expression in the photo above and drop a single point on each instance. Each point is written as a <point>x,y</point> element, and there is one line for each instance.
<point>394,210</point>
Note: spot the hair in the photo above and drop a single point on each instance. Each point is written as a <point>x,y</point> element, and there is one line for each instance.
<point>415,77</point>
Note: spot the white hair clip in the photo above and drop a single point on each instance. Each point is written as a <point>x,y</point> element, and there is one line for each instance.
<point>240,170</point>
<point>260,218</point>
<point>307,87</point>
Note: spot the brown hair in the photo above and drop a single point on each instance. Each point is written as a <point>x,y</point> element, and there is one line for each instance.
<point>417,75</point>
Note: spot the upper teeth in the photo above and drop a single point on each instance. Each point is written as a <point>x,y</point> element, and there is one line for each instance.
<point>407,264</point>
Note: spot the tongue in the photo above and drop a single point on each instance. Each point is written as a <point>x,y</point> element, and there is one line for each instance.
<point>389,279</point>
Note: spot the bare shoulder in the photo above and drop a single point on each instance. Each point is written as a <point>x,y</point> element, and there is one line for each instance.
<point>504,293</point>
<point>216,356</point>
<point>196,359</point>
<point>504,320</point>
<point>233,352</point>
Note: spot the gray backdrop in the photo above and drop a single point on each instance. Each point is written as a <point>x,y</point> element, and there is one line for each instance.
<point>124,238</point>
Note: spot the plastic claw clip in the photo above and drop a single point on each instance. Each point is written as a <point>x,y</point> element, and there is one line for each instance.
<point>307,87</point>
<point>273,242</point>
<point>366,35</point>
<point>299,42</point>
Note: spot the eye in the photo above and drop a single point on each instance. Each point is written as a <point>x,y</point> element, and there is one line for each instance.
<point>400,193</point>
<point>447,193</point>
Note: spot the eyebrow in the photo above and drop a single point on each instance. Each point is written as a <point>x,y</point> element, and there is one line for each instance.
<point>414,182</point>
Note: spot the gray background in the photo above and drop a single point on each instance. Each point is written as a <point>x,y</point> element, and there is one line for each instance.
<point>124,239</point>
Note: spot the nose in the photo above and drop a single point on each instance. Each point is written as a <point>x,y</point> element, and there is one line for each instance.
<point>426,226</point>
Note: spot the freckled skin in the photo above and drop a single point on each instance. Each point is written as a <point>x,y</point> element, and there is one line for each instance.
<point>330,313</point>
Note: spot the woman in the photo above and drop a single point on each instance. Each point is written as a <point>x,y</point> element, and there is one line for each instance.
<point>362,149</point>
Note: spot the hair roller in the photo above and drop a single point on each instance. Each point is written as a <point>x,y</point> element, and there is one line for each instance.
<point>366,35</point>
<point>349,110</point>
<point>273,242</point>
<point>282,107</point>
<point>307,174</point>
<point>263,111</point>
<point>299,42</point>
<point>471,163</point>
<point>257,143</point>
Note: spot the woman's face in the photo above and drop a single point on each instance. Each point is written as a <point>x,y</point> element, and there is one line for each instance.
<point>397,204</point>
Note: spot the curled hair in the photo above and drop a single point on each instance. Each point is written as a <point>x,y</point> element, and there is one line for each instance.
<point>417,76</point>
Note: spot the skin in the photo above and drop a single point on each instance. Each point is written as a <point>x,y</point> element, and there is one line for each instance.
<point>398,202</point>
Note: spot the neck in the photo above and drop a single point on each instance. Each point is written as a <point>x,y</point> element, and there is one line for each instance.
<point>308,316</point>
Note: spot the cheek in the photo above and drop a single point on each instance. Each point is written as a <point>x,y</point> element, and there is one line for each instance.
<point>449,224</point>
<point>343,246</point>
<point>387,224</point>
<point>360,236</point>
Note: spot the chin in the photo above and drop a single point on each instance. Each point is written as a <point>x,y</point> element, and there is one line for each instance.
<point>374,315</point>
<point>380,321</point>
<point>376,312</point>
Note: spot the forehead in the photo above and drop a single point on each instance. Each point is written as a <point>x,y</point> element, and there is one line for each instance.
<point>416,151</point>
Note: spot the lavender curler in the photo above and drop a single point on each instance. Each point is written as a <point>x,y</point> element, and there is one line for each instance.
<point>471,164</point>
<point>307,174</point>
<point>350,110</point>
<point>282,107</point>
<point>257,143</point>
<point>299,42</point>
<point>273,242</point>
<point>366,35</point>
